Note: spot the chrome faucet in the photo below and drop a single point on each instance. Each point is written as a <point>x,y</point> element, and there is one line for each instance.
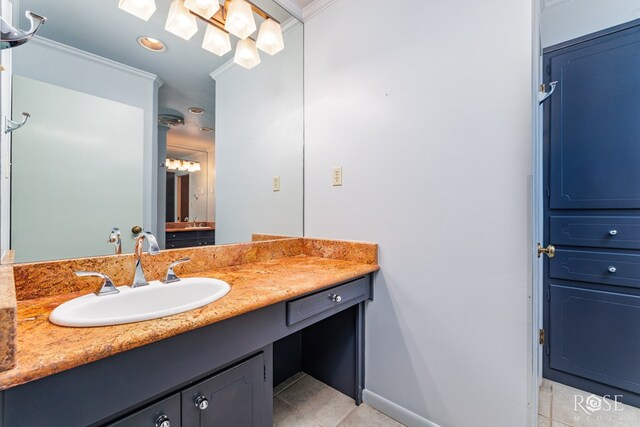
<point>154,249</point>
<point>116,238</point>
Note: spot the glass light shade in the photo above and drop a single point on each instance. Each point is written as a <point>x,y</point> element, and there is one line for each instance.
<point>180,21</point>
<point>240,21</point>
<point>246,54</point>
<point>216,40</point>
<point>270,38</point>
<point>204,8</point>
<point>143,9</point>
<point>194,167</point>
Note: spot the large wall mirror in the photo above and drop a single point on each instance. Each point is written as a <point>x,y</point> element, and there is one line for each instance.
<point>160,119</point>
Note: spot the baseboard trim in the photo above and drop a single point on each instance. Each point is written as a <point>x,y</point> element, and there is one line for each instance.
<point>395,411</point>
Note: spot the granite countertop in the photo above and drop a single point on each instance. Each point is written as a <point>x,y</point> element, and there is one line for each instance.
<point>43,349</point>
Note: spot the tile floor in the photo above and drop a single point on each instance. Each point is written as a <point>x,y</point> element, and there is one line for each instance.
<point>303,401</point>
<point>558,408</point>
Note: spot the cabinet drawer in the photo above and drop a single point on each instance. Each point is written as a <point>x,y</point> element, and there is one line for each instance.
<point>596,231</point>
<point>311,305</point>
<point>597,267</point>
<point>148,416</point>
<point>190,235</point>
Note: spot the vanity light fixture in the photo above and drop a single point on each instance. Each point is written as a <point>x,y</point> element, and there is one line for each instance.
<point>270,38</point>
<point>151,44</point>
<point>204,8</point>
<point>246,54</point>
<point>180,21</point>
<point>239,20</point>
<point>216,40</point>
<point>182,165</point>
<point>143,9</point>
<point>233,16</point>
<point>196,110</point>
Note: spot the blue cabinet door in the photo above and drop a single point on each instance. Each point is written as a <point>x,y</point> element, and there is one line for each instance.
<point>592,213</point>
<point>597,335</point>
<point>595,116</point>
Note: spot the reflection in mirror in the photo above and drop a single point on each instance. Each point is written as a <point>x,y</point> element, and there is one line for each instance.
<point>158,119</point>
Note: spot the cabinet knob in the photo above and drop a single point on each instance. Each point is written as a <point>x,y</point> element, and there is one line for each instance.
<point>163,421</point>
<point>335,297</point>
<point>202,402</point>
<point>613,232</point>
<point>612,269</point>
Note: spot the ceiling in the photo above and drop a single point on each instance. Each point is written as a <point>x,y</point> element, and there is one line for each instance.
<point>101,28</point>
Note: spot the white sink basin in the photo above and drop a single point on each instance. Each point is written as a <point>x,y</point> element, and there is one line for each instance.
<point>135,305</point>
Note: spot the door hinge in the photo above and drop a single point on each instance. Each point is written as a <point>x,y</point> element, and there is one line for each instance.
<point>548,295</point>
<point>264,372</point>
<point>549,70</point>
<point>541,336</point>
<point>548,192</point>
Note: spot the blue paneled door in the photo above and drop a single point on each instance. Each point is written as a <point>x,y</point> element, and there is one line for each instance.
<point>592,213</point>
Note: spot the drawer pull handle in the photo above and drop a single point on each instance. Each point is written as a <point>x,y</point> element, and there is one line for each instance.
<point>613,232</point>
<point>335,297</point>
<point>163,421</point>
<point>202,402</point>
<point>612,269</point>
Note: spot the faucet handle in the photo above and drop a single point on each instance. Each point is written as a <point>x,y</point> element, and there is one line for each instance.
<point>107,288</point>
<point>171,275</point>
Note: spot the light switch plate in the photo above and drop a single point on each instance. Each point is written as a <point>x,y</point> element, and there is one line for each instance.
<point>336,177</point>
<point>276,183</point>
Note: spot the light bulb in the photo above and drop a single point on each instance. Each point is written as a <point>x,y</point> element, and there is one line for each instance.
<point>216,40</point>
<point>143,9</point>
<point>246,54</point>
<point>204,8</point>
<point>240,21</point>
<point>270,38</point>
<point>180,21</point>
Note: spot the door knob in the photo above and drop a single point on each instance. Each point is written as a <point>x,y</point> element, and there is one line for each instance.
<point>202,402</point>
<point>549,250</point>
<point>613,232</point>
<point>612,269</point>
<point>163,421</point>
<point>335,298</point>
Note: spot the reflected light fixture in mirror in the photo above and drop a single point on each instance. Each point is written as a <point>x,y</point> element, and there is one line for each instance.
<point>182,165</point>
<point>143,9</point>
<point>204,8</point>
<point>180,21</point>
<point>270,38</point>
<point>216,40</point>
<point>246,54</point>
<point>239,20</point>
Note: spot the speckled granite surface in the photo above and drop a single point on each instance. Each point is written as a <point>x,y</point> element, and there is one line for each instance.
<point>260,274</point>
<point>8,318</point>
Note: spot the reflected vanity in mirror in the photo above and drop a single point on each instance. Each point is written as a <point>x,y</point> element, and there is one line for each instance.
<point>165,122</point>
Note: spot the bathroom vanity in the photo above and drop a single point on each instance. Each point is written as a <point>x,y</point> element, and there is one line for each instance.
<point>294,304</point>
<point>182,235</point>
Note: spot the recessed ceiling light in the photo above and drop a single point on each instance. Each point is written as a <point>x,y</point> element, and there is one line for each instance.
<point>206,129</point>
<point>151,44</point>
<point>196,110</point>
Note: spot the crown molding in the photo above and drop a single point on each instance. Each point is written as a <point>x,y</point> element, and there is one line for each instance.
<point>314,8</point>
<point>51,44</point>
<point>287,26</point>
<point>292,7</point>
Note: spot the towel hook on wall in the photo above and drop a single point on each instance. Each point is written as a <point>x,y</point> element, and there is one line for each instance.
<point>545,94</point>
<point>10,125</point>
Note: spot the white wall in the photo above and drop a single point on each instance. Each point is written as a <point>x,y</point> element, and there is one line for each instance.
<point>259,132</point>
<point>427,107</point>
<point>67,67</point>
<point>564,20</point>
<point>93,76</point>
